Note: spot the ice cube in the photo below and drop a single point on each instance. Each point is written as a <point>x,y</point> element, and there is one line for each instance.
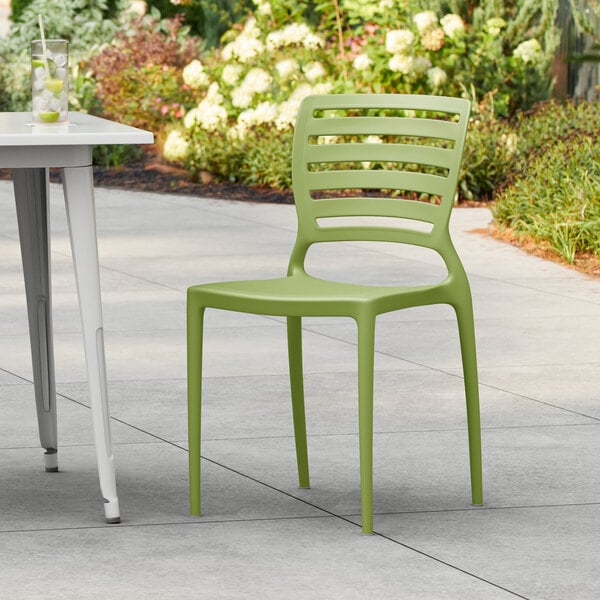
<point>60,60</point>
<point>63,115</point>
<point>43,104</point>
<point>55,104</point>
<point>46,96</point>
<point>39,84</point>
<point>39,72</point>
<point>60,73</point>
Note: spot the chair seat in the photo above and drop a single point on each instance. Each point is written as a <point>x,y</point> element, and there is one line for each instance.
<point>301,294</point>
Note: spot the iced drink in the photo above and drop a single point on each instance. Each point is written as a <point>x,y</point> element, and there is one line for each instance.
<point>49,81</point>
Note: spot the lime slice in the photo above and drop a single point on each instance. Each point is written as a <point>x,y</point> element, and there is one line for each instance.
<point>54,85</point>
<point>35,63</point>
<point>49,116</point>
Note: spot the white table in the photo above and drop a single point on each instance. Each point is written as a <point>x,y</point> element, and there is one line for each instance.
<point>29,151</point>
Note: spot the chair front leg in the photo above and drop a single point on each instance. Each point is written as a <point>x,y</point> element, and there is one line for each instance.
<point>366,361</point>
<point>294,338</point>
<point>466,328</point>
<point>195,320</point>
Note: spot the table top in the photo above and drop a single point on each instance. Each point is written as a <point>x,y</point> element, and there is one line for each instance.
<point>17,129</point>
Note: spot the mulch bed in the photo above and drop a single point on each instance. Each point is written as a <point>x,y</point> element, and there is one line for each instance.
<point>151,175</point>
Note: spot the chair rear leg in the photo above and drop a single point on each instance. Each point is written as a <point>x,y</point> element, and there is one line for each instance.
<point>466,328</point>
<point>294,337</point>
<point>195,319</point>
<point>366,360</point>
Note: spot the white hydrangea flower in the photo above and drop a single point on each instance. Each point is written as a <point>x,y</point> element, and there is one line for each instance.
<point>191,118</point>
<point>251,28</point>
<point>231,74</point>
<point>265,112</point>
<point>401,63</point>
<point>228,50</point>
<point>289,35</point>
<point>425,21</point>
<point>452,25</point>
<point>313,71</point>
<point>287,67</point>
<point>246,46</point>
<point>257,81</point>
<point>213,95</point>
<point>293,34</point>
<point>385,5</point>
<point>237,133</point>
<point>264,8</point>
<point>373,139</point>
<point>241,97</point>
<point>327,139</point>
<point>287,113</point>
<point>399,41</point>
<point>313,41</point>
<point>301,92</point>
<point>176,147</point>
<point>194,75</point>
<point>210,116</point>
<point>436,77</point>
<point>529,51</point>
<point>274,40</point>
<point>361,62</point>
<point>246,118</point>
<point>322,88</point>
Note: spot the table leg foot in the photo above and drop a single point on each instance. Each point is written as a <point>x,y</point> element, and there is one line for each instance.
<point>111,511</point>
<point>51,460</point>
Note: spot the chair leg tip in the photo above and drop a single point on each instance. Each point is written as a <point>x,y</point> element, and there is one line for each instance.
<point>113,520</point>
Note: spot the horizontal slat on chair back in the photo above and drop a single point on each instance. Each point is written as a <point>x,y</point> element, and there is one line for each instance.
<point>381,126</point>
<point>343,157</point>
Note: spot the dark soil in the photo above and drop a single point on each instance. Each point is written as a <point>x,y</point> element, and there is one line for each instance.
<point>151,175</point>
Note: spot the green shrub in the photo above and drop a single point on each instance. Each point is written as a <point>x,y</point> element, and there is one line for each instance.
<point>554,197</point>
<point>256,80</point>
<point>491,153</point>
<point>115,155</point>
<point>208,19</point>
<point>497,150</point>
<point>262,157</point>
<point>138,77</point>
<point>17,7</point>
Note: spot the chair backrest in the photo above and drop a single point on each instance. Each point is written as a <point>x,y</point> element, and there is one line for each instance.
<point>377,155</point>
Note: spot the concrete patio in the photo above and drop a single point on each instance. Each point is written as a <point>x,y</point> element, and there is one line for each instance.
<point>538,333</point>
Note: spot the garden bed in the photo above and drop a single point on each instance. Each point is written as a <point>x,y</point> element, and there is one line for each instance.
<point>151,175</point>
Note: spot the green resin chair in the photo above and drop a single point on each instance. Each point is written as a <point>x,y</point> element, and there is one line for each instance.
<point>337,163</point>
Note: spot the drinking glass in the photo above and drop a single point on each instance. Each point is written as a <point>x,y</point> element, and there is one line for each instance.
<point>50,81</point>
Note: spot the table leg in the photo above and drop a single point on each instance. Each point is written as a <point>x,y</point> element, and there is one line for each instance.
<point>31,195</point>
<point>79,201</point>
